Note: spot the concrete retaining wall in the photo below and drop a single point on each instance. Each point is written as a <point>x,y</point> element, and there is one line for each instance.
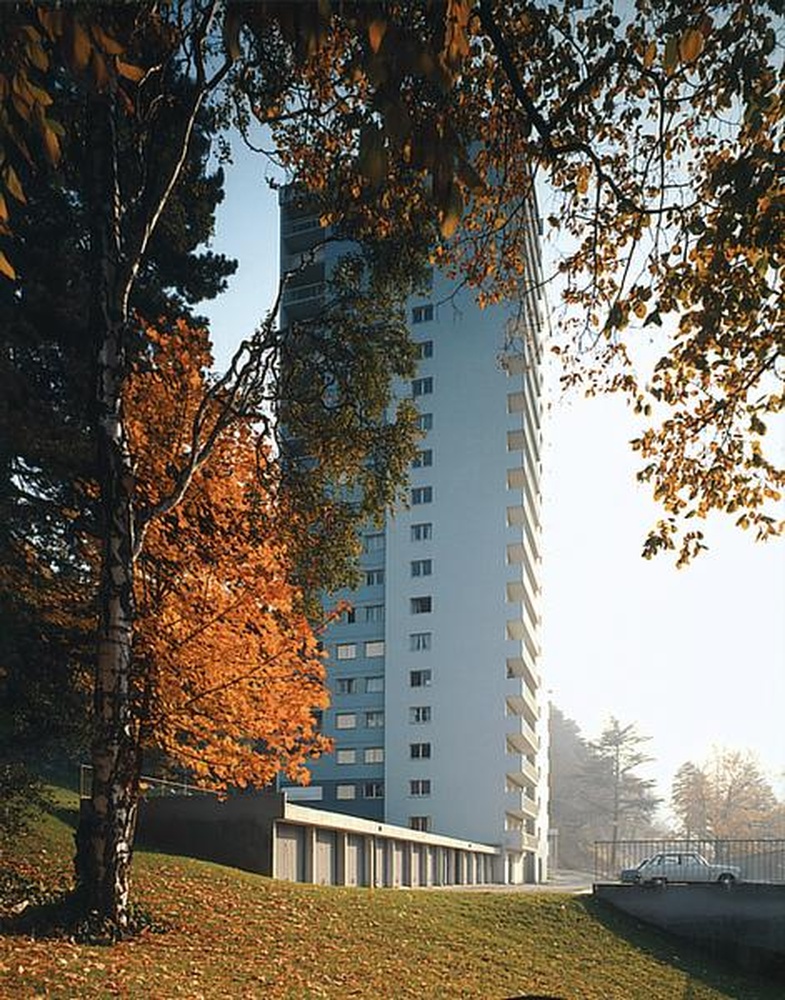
<point>745,922</point>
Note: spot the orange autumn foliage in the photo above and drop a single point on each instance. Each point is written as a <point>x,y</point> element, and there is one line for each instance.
<point>229,670</point>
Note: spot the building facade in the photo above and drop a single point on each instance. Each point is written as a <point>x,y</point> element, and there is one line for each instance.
<point>436,707</point>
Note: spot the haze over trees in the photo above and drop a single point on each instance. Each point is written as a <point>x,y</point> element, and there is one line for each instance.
<point>659,134</point>
<point>595,792</point>
<point>727,796</point>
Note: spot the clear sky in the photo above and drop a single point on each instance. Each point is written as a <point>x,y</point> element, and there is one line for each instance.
<point>694,657</point>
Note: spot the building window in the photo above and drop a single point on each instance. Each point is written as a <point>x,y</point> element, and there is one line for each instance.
<point>422,386</point>
<point>423,459</point>
<point>373,755</point>
<point>420,823</point>
<point>373,543</point>
<point>345,720</point>
<point>374,577</point>
<point>345,756</point>
<point>419,751</point>
<point>346,685</point>
<point>419,642</point>
<point>420,605</point>
<point>421,532</point>
<point>346,651</point>
<point>425,422</point>
<point>374,719</point>
<point>373,790</point>
<point>374,613</point>
<point>421,567</point>
<point>374,648</point>
<point>349,616</point>
<point>419,678</point>
<point>419,787</point>
<point>374,685</point>
<point>422,494</point>
<point>345,792</point>
<point>422,314</point>
<point>419,714</point>
<point>318,720</point>
<point>424,349</point>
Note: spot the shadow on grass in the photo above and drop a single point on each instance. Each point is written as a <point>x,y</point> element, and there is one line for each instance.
<point>697,963</point>
<point>66,814</point>
<point>61,914</point>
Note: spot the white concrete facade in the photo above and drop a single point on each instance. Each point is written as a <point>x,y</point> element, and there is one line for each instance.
<point>436,712</point>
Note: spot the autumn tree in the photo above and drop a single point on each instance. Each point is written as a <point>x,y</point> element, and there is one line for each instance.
<point>727,797</point>
<point>227,668</point>
<point>137,72</point>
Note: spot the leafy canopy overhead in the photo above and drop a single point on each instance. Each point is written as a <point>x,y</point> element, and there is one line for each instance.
<point>656,130</point>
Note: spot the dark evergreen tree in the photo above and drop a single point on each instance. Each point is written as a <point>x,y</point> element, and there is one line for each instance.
<point>48,508</point>
<point>594,791</point>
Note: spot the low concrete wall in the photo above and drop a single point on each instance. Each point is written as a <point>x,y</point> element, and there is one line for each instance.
<point>237,831</point>
<point>745,922</point>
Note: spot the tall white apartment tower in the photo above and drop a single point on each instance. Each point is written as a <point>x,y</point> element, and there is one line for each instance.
<point>437,712</point>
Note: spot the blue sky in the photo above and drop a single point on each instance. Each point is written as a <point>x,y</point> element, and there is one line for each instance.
<point>695,657</point>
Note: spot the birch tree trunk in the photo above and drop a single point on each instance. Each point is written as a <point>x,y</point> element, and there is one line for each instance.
<point>107,822</point>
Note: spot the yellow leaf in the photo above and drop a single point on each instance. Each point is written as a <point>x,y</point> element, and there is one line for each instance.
<point>52,21</point>
<point>37,56</point>
<point>130,72</point>
<point>81,46</point>
<point>100,71</point>
<point>6,268</point>
<point>110,45</point>
<point>640,309</point>
<point>451,214</point>
<point>3,209</point>
<point>690,45</point>
<point>671,56</point>
<point>51,145</point>
<point>650,54</point>
<point>376,32</point>
<point>13,184</point>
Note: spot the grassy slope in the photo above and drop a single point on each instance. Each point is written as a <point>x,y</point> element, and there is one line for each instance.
<point>239,935</point>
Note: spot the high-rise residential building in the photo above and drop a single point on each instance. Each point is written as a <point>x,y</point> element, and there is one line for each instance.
<point>437,711</point>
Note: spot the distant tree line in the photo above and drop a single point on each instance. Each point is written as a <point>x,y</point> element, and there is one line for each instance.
<point>597,793</point>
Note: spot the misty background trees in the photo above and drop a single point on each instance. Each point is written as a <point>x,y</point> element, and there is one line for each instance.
<point>597,793</point>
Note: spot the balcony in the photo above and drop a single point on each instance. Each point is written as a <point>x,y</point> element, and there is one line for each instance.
<point>523,666</point>
<point>302,233</point>
<point>522,806</point>
<point>302,301</point>
<point>524,773</point>
<point>522,702</point>
<point>521,738</point>
<point>519,840</point>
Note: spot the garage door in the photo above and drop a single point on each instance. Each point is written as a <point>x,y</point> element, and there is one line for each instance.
<point>290,852</point>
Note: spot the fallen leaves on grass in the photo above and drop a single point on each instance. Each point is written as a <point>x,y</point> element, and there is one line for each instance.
<point>238,935</point>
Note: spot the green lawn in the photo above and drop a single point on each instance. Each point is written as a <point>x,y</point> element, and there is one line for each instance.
<point>232,934</point>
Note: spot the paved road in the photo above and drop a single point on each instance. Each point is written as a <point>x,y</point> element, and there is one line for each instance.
<point>560,881</point>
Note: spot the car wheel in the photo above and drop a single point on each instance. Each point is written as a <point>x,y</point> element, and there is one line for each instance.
<point>659,881</point>
<point>726,879</point>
